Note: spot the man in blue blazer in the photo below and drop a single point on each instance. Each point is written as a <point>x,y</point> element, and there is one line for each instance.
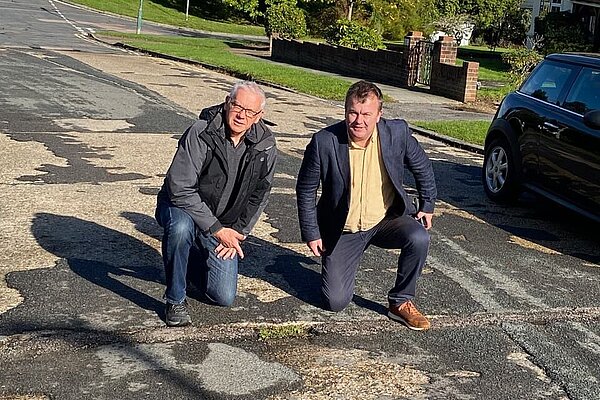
<point>359,164</point>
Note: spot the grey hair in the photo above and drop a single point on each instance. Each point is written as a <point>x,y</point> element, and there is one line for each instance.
<point>252,87</point>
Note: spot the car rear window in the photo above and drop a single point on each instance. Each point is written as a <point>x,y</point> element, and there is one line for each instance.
<point>584,96</point>
<point>548,81</point>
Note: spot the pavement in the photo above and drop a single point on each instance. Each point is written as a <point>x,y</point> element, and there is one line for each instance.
<point>412,104</point>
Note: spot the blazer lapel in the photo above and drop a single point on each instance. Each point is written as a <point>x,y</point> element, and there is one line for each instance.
<point>393,165</point>
<point>343,158</point>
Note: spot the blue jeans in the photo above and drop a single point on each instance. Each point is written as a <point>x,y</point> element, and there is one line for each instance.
<point>185,247</point>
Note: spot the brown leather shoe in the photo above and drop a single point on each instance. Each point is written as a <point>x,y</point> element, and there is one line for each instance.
<point>408,314</point>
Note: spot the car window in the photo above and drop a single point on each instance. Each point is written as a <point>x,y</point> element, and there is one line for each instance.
<point>585,93</point>
<point>548,81</point>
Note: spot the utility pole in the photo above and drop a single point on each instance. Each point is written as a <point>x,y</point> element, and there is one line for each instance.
<point>187,9</point>
<point>139,18</point>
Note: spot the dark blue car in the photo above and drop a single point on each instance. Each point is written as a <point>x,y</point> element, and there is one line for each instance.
<point>545,136</point>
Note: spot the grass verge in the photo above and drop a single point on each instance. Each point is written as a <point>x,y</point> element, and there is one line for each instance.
<point>157,12</point>
<point>468,131</point>
<point>217,53</point>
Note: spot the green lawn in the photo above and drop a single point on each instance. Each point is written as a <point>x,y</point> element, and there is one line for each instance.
<point>469,131</point>
<point>489,69</point>
<point>155,11</point>
<point>217,53</point>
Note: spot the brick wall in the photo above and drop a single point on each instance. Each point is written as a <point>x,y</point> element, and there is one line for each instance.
<point>381,65</point>
<point>451,80</point>
<point>385,66</point>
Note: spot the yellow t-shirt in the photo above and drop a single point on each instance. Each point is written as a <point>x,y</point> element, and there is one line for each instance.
<point>371,190</point>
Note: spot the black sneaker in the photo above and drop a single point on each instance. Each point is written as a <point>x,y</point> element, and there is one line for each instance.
<point>177,314</point>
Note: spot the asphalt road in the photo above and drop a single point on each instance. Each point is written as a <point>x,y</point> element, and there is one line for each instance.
<point>87,132</point>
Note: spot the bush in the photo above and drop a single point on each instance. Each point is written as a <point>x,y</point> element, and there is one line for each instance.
<point>285,19</point>
<point>562,31</point>
<point>351,34</point>
<point>394,19</point>
<point>521,61</point>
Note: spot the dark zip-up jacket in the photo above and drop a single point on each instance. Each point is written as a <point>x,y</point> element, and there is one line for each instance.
<point>198,174</point>
<point>326,163</point>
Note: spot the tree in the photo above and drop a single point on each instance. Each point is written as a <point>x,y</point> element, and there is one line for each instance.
<point>393,19</point>
<point>285,18</point>
<point>495,20</point>
<point>562,31</point>
<point>457,25</point>
<point>352,34</point>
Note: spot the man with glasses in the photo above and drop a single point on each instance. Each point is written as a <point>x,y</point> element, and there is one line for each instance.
<point>213,194</point>
<point>359,164</point>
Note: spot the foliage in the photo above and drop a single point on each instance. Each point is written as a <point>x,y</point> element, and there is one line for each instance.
<point>395,18</point>
<point>285,19</point>
<point>247,7</point>
<point>455,25</point>
<point>562,31</point>
<point>484,13</point>
<point>352,34</point>
<point>319,15</point>
<point>509,29</point>
<point>521,61</point>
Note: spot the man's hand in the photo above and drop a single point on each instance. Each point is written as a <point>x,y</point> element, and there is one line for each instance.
<point>427,218</point>
<point>316,246</point>
<point>226,253</point>
<point>229,243</point>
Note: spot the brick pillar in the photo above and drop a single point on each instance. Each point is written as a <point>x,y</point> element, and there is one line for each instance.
<point>470,93</point>
<point>444,50</point>
<point>410,59</point>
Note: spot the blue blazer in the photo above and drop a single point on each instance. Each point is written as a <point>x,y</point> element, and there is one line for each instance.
<point>326,162</point>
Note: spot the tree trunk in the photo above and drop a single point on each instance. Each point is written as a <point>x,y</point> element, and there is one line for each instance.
<point>350,7</point>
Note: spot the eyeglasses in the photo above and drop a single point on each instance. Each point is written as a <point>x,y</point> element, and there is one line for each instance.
<point>238,108</point>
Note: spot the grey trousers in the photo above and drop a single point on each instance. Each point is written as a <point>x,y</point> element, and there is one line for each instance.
<point>340,264</point>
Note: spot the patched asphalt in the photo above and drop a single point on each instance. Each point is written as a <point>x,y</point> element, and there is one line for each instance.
<point>86,137</point>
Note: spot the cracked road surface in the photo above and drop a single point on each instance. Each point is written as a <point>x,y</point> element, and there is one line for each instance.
<point>86,137</point>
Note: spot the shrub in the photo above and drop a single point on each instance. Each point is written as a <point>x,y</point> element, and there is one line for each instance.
<point>521,61</point>
<point>286,19</point>
<point>562,31</point>
<point>351,34</point>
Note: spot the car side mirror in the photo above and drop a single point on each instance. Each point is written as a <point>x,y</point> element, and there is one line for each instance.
<point>592,119</point>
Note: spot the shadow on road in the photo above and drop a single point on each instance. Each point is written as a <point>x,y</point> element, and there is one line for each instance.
<point>101,255</point>
<point>292,272</point>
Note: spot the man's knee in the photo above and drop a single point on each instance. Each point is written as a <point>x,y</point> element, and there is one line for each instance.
<point>335,300</point>
<point>220,297</point>
<point>180,228</point>
<point>419,239</point>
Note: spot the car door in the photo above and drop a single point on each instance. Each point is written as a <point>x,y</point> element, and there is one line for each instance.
<point>569,149</point>
<point>543,92</point>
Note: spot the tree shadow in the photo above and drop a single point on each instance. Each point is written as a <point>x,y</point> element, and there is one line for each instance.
<point>103,256</point>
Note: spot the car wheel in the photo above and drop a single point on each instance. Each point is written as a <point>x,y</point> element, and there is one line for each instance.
<point>499,172</point>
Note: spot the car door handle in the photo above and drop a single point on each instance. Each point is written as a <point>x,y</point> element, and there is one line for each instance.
<point>550,127</point>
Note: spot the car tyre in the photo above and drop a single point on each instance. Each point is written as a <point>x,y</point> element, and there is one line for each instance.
<point>500,175</point>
